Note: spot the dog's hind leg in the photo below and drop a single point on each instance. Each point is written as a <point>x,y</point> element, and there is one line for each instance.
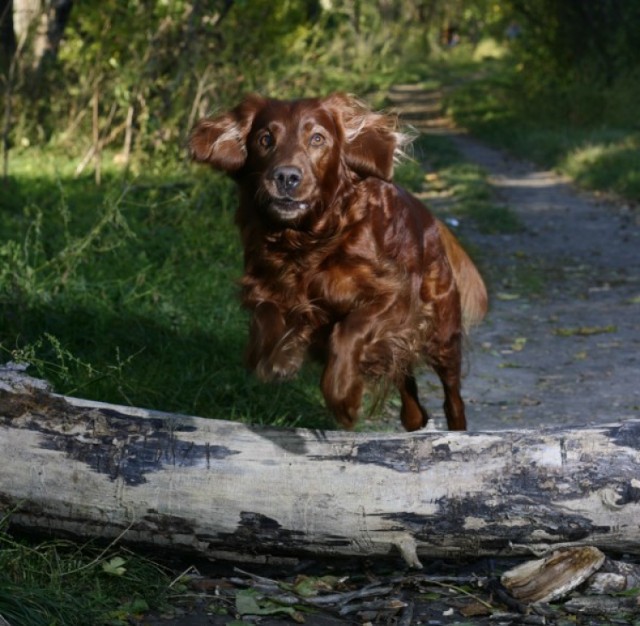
<point>448,368</point>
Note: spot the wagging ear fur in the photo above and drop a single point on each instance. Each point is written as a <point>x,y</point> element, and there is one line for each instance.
<point>221,141</point>
<point>373,143</point>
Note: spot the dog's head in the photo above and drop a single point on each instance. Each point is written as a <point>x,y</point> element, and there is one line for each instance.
<point>294,155</point>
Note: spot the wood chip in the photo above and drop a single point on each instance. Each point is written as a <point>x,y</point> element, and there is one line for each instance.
<point>552,577</point>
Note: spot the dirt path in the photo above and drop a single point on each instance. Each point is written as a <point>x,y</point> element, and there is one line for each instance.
<point>561,344</point>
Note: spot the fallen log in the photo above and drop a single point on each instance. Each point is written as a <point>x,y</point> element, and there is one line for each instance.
<point>230,490</point>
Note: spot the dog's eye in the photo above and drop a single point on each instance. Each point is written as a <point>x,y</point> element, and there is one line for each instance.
<point>266,140</point>
<point>317,139</point>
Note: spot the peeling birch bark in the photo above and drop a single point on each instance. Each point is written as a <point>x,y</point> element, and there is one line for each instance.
<point>225,489</point>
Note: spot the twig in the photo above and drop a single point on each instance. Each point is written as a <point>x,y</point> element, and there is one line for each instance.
<point>392,604</point>
<point>261,579</point>
<point>324,601</point>
<point>449,580</point>
<point>343,598</point>
<point>463,592</point>
<point>128,135</point>
<point>179,577</point>
<point>96,133</point>
<point>105,141</point>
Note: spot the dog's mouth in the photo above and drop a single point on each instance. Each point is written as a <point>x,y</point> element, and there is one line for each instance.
<point>287,209</point>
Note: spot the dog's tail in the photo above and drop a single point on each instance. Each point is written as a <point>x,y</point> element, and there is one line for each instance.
<point>473,293</point>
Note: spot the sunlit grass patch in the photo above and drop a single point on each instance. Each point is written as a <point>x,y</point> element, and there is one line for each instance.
<point>614,165</point>
<point>565,129</point>
<point>489,48</point>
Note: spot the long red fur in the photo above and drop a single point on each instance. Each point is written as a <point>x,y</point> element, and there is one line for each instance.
<point>340,263</point>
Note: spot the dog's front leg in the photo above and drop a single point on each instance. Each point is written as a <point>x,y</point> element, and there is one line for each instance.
<point>342,380</point>
<point>275,350</point>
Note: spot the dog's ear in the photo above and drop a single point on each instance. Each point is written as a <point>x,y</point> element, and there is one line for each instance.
<point>221,141</point>
<point>372,143</point>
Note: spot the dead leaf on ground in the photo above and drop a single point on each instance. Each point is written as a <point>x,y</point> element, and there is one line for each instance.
<point>502,295</point>
<point>518,344</point>
<point>584,331</point>
<point>475,609</point>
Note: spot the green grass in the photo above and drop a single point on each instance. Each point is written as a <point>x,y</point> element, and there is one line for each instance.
<point>127,293</point>
<point>586,133</point>
<point>607,163</point>
<point>59,583</point>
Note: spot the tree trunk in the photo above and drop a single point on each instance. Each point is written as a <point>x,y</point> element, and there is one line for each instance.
<point>226,489</point>
<point>43,21</point>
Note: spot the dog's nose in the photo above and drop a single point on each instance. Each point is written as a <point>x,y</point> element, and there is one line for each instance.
<point>287,178</point>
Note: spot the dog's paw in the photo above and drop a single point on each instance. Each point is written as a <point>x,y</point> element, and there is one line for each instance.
<point>282,365</point>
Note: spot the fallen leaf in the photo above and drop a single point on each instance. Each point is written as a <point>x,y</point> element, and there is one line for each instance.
<point>431,597</point>
<point>585,331</point>
<point>307,586</point>
<point>114,567</point>
<point>519,344</point>
<point>251,602</point>
<point>475,609</point>
<point>507,296</point>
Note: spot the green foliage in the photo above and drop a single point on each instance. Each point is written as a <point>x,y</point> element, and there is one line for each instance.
<point>572,62</point>
<point>588,43</point>
<point>251,602</point>
<point>601,153</point>
<point>612,163</point>
<point>153,68</point>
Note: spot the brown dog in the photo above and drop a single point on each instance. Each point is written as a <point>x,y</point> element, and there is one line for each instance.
<point>340,262</point>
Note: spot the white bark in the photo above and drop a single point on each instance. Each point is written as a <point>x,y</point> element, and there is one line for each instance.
<point>38,26</point>
<point>227,489</point>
